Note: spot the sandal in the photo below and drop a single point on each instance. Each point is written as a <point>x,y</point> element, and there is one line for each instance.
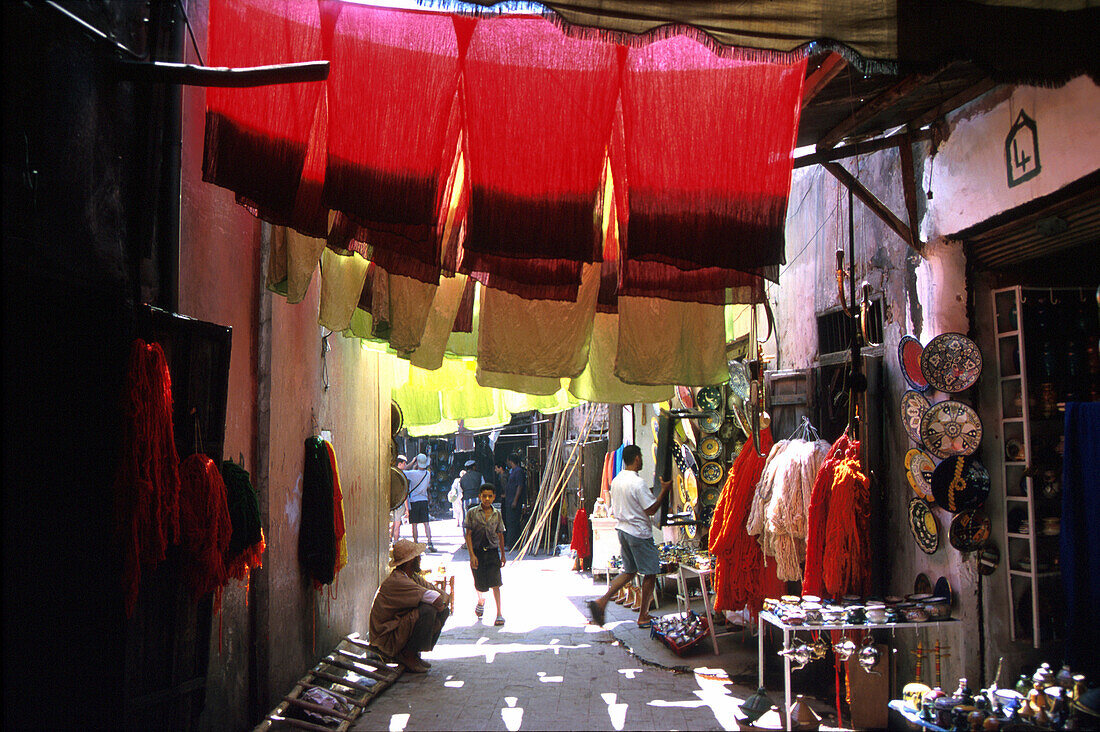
<point>479,609</point>
<point>499,621</point>
<point>597,612</point>
<point>647,623</point>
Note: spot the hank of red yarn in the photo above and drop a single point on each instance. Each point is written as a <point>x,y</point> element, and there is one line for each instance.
<point>580,542</point>
<point>147,480</point>
<point>817,515</point>
<point>205,526</point>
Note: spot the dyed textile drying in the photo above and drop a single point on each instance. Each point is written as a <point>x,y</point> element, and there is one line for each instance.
<point>342,278</point>
<point>667,342</point>
<point>246,542</point>
<point>205,526</point>
<point>147,480</point>
<point>838,559</point>
<point>339,529</point>
<point>817,515</point>
<point>317,533</point>
<point>598,383</point>
<point>293,261</point>
<point>581,542</point>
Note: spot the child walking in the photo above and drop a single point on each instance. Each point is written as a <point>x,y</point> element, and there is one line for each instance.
<point>485,542</point>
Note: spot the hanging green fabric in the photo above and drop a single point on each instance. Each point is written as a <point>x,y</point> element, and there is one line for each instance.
<point>598,383</point>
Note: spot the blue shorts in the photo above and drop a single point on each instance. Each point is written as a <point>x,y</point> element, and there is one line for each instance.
<point>639,555</point>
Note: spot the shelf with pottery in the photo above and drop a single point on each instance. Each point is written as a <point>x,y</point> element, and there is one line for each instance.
<point>789,630</point>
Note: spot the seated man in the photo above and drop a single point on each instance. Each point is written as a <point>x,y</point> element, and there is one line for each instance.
<point>408,613</point>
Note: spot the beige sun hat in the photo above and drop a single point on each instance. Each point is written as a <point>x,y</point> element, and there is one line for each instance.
<point>403,550</point>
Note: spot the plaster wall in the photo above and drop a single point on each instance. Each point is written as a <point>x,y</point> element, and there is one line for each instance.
<point>968,176</point>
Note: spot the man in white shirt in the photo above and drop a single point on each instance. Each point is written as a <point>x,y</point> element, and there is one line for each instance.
<point>633,505</point>
<point>419,480</point>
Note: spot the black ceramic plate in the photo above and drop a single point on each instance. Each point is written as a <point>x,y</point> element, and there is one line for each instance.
<point>950,428</point>
<point>914,405</point>
<point>943,589</point>
<point>923,524</point>
<point>711,473</point>
<point>969,531</point>
<point>960,484</point>
<point>922,585</point>
<point>951,362</point>
<point>709,397</point>
<point>711,422</point>
<point>909,353</point>
<point>710,497</point>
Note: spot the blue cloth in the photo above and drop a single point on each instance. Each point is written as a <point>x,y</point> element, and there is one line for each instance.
<point>617,463</point>
<point>639,555</point>
<point>1080,537</point>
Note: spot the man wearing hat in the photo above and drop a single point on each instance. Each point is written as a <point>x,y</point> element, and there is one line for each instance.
<point>397,514</point>
<point>471,485</point>
<point>419,481</point>
<point>408,614</point>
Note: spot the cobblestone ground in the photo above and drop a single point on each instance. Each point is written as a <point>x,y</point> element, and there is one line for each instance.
<point>546,668</point>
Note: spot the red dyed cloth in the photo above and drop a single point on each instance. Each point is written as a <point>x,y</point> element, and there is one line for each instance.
<point>581,542</point>
<point>205,526</point>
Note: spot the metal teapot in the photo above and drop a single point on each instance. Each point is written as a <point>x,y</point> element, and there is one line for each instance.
<point>844,649</point>
<point>799,654</point>
<point>869,656</point>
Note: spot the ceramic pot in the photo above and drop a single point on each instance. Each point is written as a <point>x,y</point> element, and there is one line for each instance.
<point>913,693</point>
<point>854,615</point>
<point>938,608</point>
<point>876,615</point>
<point>802,717</point>
<point>916,614</point>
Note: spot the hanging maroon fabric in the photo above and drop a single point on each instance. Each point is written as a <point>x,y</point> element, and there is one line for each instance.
<point>708,141</point>
<point>394,127</point>
<point>538,114</point>
<point>257,139</point>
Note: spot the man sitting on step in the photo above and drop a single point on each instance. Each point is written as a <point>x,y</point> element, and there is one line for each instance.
<point>408,613</point>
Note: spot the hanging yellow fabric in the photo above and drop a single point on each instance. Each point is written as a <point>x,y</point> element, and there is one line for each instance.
<point>598,383</point>
<point>667,342</point>
<point>438,323</point>
<point>342,278</point>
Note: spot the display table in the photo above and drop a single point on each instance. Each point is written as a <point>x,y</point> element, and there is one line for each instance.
<point>683,604</point>
<point>605,545</point>
<point>789,630</point>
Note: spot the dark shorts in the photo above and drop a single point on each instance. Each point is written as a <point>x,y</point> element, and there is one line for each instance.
<point>639,555</point>
<point>418,512</point>
<point>487,574</point>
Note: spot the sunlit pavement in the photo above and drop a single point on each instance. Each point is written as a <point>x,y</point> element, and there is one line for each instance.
<point>545,669</point>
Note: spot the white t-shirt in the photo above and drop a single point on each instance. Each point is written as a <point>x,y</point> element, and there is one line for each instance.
<point>419,480</point>
<point>629,499</point>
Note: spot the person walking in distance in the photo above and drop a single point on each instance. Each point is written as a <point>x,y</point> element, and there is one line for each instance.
<point>419,480</point>
<point>514,493</point>
<point>633,505</point>
<point>485,542</point>
<point>471,485</point>
<point>399,513</point>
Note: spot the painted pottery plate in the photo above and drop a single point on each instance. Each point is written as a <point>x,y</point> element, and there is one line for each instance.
<point>691,486</point>
<point>711,447</point>
<point>909,353</point>
<point>913,407</point>
<point>989,558</point>
<point>397,418</point>
<point>726,430</point>
<point>686,398</point>
<point>742,419</point>
<point>923,524</point>
<point>710,398</point>
<point>711,473</point>
<point>969,530</point>
<point>918,471</point>
<point>951,362</point>
<point>690,530</point>
<point>950,428</point>
<point>711,421</point>
<point>710,496</point>
<point>739,378</point>
<point>960,483</point>
<point>399,488</point>
<point>922,585</point>
<point>943,589</point>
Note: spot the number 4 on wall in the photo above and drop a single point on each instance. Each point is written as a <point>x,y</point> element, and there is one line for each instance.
<point>1022,151</point>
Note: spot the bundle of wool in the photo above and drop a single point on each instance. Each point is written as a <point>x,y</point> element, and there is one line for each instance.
<point>205,526</point>
<point>739,560</point>
<point>317,532</point>
<point>816,516</point>
<point>246,543</point>
<point>581,543</point>
<point>783,533</point>
<point>847,559</point>
<point>147,481</point>
<point>339,529</point>
<point>754,522</point>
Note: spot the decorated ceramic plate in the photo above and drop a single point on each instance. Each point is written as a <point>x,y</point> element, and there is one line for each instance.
<point>989,558</point>
<point>711,421</point>
<point>950,428</point>
<point>922,585</point>
<point>684,392</point>
<point>690,530</point>
<point>691,486</point>
<point>741,418</point>
<point>909,353</point>
<point>918,471</point>
<point>739,378</point>
<point>923,524</point>
<point>710,496</point>
<point>710,398</point>
<point>399,488</point>
<point>913,406</point>
<point>960,483</point>
<point>969,531</point>
<point>711,473</point>
<point>710,447</point>
<point>951,362</point>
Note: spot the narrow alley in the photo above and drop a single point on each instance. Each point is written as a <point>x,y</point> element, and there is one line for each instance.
<point>546,668</point>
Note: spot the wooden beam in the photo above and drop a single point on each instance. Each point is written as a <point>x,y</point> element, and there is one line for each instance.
<point>859,148</point>
<point>898,91</point>
<point>965,96</point>
<point>850,182</point>
<point>833,64</point>
<point>909,186</point>
<point>163,72</point>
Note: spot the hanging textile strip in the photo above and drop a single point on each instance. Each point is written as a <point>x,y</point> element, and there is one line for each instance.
<point>205,527</point>
<point>846,567</point>
<point>339,529</point>
<point>707,179</point>
<point>257,139</point>
<point>147,481</point>
<point>390,158</point>
<point>316,536</point>
<point>246,542</point>
<point>816,516</point>
<point>539,108</point>
<point>581,542</point>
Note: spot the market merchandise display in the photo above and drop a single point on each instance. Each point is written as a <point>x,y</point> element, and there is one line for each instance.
<point>681,632</point>
<point>854,610</point>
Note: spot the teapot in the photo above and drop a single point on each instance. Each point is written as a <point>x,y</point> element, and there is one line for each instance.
<point>844,649</point>
<point>798,654</point>
<point>869,656</point>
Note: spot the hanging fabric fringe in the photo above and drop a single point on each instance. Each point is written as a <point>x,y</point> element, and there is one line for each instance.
<point>205,527</point>
<point>147,481</point>
<point>740,563</point>
<point>246,542</point>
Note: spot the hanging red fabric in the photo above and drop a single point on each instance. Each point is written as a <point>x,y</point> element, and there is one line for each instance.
<point>538,112</point>
<point>257,139</point>
<point>394,126</point>
<point>817,515</point>
<point>708,141</point>
<point>205,526</point>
